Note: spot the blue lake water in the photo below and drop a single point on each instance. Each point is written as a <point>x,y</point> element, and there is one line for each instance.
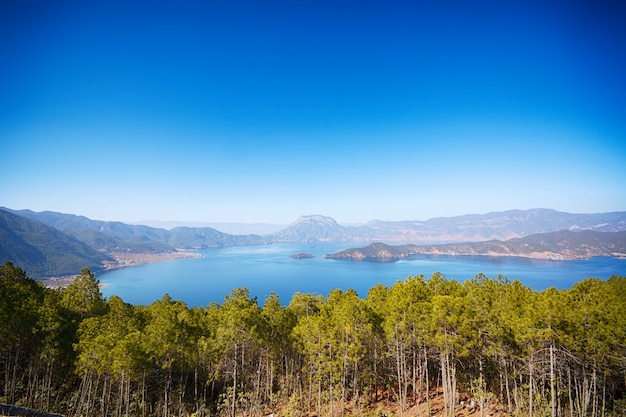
<point>266,269</point>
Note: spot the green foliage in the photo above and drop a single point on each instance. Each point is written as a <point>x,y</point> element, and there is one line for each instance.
<point>492,340</point>
<point>82,298</point>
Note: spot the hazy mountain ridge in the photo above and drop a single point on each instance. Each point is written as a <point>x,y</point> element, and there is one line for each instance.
<point>561,245</point>
<point>498,225</point>
<point>103,235</point>
<point>111,236</point>
<point>206,237</point>
<point>317,228</point>
<point>118,240</point>
<point>467,228</point>
<point>229,227</point>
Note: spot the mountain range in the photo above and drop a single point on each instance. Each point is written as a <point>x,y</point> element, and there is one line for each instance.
<point>42,250</point>
<point>54,244</point>
<point>561,245</point>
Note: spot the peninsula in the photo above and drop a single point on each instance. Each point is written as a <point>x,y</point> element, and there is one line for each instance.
<point>562,245</point>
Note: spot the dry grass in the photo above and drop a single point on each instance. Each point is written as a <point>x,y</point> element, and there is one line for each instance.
<point>390,408</point>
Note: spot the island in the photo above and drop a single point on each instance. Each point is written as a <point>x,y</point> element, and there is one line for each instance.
<point>302,255</point>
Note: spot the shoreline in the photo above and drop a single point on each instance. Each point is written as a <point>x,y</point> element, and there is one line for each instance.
<point>126,259</point>
<point>123,260</point>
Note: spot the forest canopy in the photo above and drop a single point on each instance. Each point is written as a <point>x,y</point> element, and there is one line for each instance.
<point>484,343</point>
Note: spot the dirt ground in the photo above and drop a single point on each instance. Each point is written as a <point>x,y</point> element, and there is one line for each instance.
<point>386,408</point>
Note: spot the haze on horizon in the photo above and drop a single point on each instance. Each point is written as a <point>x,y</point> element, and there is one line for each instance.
<point>259,112</point>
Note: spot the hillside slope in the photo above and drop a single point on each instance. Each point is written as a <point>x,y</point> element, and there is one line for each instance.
<point>103,235</point>
<point>42,250</point>
<point>113,237</point>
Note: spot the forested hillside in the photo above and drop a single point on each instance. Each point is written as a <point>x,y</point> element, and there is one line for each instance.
<point>496,345</point>
<point>117,236</point>
<point>43,250</point>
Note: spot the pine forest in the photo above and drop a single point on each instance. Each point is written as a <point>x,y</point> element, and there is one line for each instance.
<point>487,346</point>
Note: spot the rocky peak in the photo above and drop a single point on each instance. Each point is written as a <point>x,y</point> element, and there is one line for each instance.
<point>313,228</point>
<point>316,219</point>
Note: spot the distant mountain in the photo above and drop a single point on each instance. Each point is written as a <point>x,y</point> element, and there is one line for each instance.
<point>103,235</point>
<point>111,236</point>
<point>70,242</point>
<point>206,237</point>
<point>121,237</point>
<point>469,228</point>
<point>500,225</point>
<point>316,228</point>
<point>562,245</point>
<point>54,244</point>
<point>230,228</point>
<point>42,250</point>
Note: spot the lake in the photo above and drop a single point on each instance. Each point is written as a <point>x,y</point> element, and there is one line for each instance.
<point>266,269</point>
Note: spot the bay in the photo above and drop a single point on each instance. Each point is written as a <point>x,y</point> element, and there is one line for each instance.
<point>266,269</point>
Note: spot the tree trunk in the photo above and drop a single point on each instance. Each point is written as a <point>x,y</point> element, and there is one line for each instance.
<point>427,379</point>
<point>448,380</point>
<point>330,393</point>
<point>166,398</point>
<point>530,387</point>
<point>571,393</point>
<point>234,398</point>
<point>552,382</point>
<point>375,374</point>
<point>399,374</point>
<point>481,381</point>
<point>506,384</point>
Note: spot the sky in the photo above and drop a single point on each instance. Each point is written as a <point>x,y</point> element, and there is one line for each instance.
<point>259,112</point>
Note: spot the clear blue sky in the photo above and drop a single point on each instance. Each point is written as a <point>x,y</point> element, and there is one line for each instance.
<point>264,111</point>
